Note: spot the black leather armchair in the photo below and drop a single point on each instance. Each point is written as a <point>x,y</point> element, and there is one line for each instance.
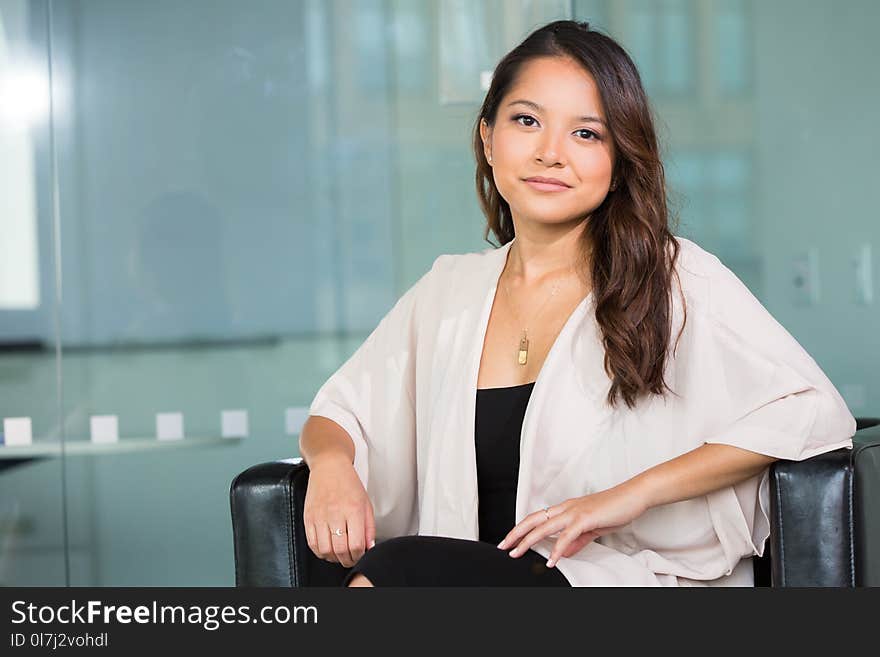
<point>825,522</point>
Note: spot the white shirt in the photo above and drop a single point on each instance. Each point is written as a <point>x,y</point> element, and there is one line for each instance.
<point>407,398</point>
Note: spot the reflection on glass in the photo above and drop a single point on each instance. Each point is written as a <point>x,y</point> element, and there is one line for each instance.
<point>24,101</point>
<point>473,34</point>
<point>664,46</point>
<point>732,54</point>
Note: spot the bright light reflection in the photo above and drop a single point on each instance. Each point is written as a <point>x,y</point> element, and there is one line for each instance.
<point>24,96</point>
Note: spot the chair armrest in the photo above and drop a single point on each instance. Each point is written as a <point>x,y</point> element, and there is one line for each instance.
<point>825,517</point>
<point>271,548</point>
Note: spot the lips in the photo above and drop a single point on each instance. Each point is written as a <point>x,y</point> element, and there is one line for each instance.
<point>546,184</point>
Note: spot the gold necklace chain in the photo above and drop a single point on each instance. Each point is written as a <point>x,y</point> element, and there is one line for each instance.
<point>523,351</point>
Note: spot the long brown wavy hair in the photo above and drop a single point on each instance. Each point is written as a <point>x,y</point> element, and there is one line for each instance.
<point>632,249</point>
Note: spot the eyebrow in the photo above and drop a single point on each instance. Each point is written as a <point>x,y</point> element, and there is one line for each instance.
<point>538,108</point>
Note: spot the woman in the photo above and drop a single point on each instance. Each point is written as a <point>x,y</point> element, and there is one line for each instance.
<point>599,398</point>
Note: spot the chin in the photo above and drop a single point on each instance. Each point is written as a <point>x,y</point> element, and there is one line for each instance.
<point>547,208</point>
<point>542,218</point>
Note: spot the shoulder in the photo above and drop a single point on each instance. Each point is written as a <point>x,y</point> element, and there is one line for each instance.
<point>451,269</point>
<point>454,280</point>
<point>694,260</point>
<point>464,263</point>
<point>707,282</point>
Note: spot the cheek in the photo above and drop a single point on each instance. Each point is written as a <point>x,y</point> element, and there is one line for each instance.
<point>507,187</point>
<point>506,175</point>
<point>513,153</point>
<point>513,157</point>
<point>595,166</point>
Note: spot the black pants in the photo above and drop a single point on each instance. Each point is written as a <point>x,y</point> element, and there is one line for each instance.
<point>445,561</point>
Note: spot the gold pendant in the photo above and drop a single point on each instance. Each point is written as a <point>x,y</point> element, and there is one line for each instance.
<point>523,351</point>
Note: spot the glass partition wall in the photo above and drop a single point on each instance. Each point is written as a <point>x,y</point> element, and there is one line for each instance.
<point>207,205</point>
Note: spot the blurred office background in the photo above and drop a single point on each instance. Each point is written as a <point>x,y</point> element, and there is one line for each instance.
<point>206,205</point>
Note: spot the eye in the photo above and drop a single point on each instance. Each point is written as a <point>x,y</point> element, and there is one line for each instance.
<point>524,116</point>
<point>591,135</point>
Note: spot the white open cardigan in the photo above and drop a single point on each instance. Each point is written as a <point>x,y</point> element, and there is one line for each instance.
<point>407,398</point>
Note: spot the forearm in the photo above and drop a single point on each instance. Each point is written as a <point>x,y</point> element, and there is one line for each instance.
<point>321,439</point>
<point>701,471</point>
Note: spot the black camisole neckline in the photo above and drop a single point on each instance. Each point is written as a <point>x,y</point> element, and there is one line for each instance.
<point>498,426</point>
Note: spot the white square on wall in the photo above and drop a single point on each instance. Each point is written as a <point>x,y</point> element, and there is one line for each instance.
<point>295,418</point>
<point>234,424</point>
<point>169,426</point>
<point>105,428</point>
<point>17,431</point>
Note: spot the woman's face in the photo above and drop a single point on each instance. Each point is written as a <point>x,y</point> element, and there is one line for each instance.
<point>550,124</point>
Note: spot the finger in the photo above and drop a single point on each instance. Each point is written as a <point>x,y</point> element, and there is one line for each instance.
<point>562,543</point>
<point>325,545</point>
<point>546,528</point>
<point>578,544</point>
<point>356,536</point>
<point>524,527</point>
<point>312,537</point>
<point>340,542</point>
<point>370,527</point>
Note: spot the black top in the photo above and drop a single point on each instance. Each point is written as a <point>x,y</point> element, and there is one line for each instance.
<point>499,418</point>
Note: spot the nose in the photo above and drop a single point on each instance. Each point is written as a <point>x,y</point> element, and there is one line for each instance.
<point>549,152</point>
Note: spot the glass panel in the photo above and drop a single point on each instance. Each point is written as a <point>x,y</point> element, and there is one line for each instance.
<point>194,170</point>
<point>33,540</point>
<point>732,46</point>
<point>642,30</point>
<point>660,35</point>
<point>677,56</point>
<point>595,12</point>
<point>475,34</point>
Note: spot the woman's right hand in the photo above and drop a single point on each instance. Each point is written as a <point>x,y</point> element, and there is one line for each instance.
<point>336,498</point>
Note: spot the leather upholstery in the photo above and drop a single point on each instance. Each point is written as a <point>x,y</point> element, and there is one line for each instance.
<point>825,522</point>
<point>825,529</point>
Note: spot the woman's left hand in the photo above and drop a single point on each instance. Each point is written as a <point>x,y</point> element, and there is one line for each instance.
<point>580,519</point>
